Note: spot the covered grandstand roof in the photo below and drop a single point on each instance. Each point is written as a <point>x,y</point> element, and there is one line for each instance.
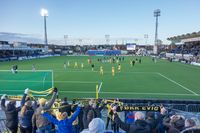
<point>185,36</point>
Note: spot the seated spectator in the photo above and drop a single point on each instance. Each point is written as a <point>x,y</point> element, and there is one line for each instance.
<point>64,124</point>
<point>97,125</point>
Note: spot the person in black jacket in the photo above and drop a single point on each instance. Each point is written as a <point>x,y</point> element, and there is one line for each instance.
<point>139,126</point>
<point>11,112</point>
<point>66,107</point>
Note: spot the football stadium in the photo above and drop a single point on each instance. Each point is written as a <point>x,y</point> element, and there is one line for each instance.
<point>143,80</point>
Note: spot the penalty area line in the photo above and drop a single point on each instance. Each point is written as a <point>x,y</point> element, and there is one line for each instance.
<point>31,81</point>
<point>100,87</point>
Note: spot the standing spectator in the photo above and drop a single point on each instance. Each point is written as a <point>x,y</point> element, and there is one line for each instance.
<point>150,118</point>
<point>160,118</point>
<point>26,114</point>
<point>87,118</point>
<point>139,126</point>
<point>114,125</point>
<point>38,121</point>
<point>66,108</point>
<point>11,112</point>
<point>64,124</point>
<point>97,125</point>
<point>130,117</point>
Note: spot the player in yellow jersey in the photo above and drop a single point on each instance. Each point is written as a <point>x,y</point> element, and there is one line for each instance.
<point>89,61</point>
<point>75,65</point>
<point>113,71</point>
<point>110,60</point>
<point>82,65</point>
<point>101,70</point>
<point>119,67</point>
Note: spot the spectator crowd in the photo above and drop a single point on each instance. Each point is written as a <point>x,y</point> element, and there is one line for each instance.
<point>39,116</point>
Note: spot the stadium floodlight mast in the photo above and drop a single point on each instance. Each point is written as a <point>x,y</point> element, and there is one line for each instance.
<point>80,41</point>
<point>44,13</point>
<point>65,38</point>
<point>146,36</point>
<point>107,37</point>
<point>156,14</point>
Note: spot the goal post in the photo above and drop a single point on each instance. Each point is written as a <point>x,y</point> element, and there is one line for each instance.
<point>16,83</point>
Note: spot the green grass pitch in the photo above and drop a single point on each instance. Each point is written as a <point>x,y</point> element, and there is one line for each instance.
<point>161,80</point>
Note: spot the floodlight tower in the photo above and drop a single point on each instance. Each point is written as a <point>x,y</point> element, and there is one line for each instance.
<point>156,14</point>
<point>65,38</point>
<point>80,41</point>
<point>44,13</point>
<point>146,36</point>
<point>107,37</point>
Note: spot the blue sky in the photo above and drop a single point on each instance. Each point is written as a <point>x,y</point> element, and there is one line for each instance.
<point>95,18</point>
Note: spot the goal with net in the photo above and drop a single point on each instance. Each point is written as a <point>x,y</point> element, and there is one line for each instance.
<point>16,83</point>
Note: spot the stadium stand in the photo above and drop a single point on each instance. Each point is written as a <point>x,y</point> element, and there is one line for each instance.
<point>171,116</point>
<point>93,115</point>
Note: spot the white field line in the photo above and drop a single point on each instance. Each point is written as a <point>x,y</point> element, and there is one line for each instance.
<point>78,71</point>
<point>100,87</point>
<point>105,72</point>
<point>82,82</point>
<point>130,93</point>
<point>122,93</point>
<point>177,84</point>
<point>27,71</point>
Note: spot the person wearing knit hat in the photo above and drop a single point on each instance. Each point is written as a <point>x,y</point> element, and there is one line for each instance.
<point>38,121</point>
<point>97,125</point>
<point>42,101</point>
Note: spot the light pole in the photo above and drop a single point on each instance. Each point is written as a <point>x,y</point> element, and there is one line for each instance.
<point>44,13</point>
<point>80,41</point>
<point>107,37</point>
<point>65,38</point>
<point>156,14</point>
<point>146,36</point>
<point>136,40</point>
